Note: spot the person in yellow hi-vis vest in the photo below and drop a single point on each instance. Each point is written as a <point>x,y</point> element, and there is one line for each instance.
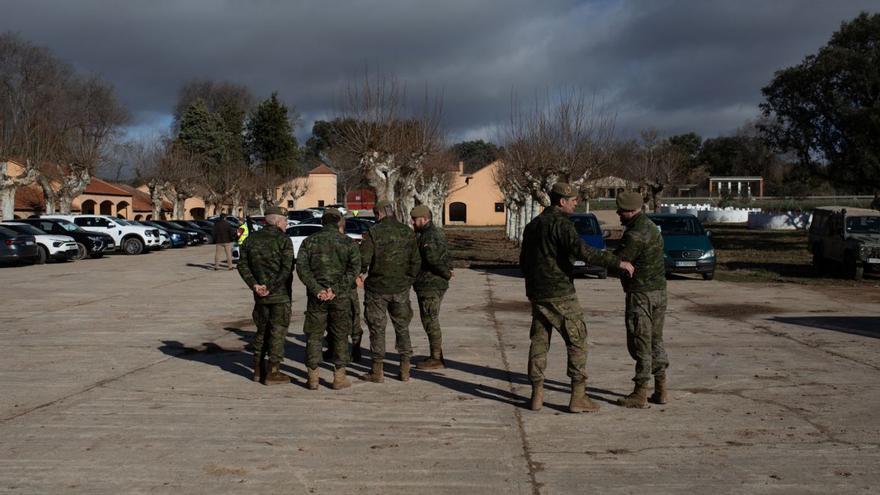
<point>242,232</point>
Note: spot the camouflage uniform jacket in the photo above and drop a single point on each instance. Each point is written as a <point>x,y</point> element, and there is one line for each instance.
<point>642,245</point>
<point>329,259</point>
<point>390,255</point>
<point>436,268</point>
<point>549,246</point>
<point>267,259</point>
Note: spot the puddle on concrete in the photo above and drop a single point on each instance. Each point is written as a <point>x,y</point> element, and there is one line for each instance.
<point>736,311</point>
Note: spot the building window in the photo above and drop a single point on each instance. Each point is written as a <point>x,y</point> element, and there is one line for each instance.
<point>499,207</point>
<point>458,212</point>
<point>320,203</point>
<point>289,203</point>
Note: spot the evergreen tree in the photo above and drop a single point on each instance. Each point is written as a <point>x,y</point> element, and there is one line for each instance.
<point>269,139</point>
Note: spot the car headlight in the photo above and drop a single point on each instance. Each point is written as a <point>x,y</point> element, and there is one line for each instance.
<point>57,244</point>
<point>708,254</point>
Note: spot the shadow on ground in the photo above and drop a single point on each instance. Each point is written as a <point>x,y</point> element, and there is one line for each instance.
<point>866,326</point>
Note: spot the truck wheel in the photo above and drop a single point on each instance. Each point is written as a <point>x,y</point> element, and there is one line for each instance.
<point>603,274</point>
<point>42,255</point>
<point>133,245</point>
<point>81,251</point>
<point>858,271</point>
<point>852,267</point>
<point>708,275</point>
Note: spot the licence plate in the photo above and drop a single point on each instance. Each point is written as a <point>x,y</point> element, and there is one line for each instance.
<point>873,260</point>
<point>28,243</point>
<point>579,263</point>
<point>685,263</point>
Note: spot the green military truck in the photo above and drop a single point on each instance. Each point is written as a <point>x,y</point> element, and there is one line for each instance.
<point>845,237</point>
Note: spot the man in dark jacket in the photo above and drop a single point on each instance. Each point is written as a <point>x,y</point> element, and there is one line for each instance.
<point>642,245</point>
<point>266,266</point>
<point>549,247</point>
<point>432,282</point>
<point>390,258</point>
<point>224,233</point>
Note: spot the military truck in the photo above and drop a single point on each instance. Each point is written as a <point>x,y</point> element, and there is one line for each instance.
<point>845,237</point>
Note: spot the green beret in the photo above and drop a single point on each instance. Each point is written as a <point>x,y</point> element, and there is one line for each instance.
<point>564,189</point>
<point>276,210</point>
<point>629,200</point>
<point>420,211</point>
<point>332,212</point>
<point>382,203</point>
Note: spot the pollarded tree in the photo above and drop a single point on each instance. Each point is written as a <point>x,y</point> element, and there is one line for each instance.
<point>826,109</point>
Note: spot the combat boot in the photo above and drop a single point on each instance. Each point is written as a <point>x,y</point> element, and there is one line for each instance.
<point>537,396</point>
<point>659,395</point>
<point>356,351</point>
<point>340,381</point>
<point>579,401</point>
<point>637,399</point>
<point>377,375</point>
<point>275,376</point>
<point>434,362</point>
<point>258,368</point>
<point>404,369</point>
<point>313,379</point>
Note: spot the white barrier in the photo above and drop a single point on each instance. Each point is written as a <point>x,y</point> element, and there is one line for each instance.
<point>789,220</point>
<point>711,214</point>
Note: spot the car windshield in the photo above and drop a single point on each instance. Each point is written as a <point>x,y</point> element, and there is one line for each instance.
<point>586,225</point>
<point>68,226</point>
<point>120,221</point>
<point>679,225</point>
<point>863,225</point>
<point>25,229</point>
<point>6,233</point>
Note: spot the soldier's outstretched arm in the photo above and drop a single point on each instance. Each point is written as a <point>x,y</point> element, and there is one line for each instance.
<point>630,246</point>
<point>285,250</point>
<point>579,249</point>
<point>244,268</point>
<point>305,273</point>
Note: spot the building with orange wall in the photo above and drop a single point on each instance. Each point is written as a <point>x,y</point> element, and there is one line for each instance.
<point>474,198</point>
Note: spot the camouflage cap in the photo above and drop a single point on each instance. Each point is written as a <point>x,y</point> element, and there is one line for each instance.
<point>276,210</point>
<point>382,203</point>
<point>629,200</point>
<point>332,213</point>
<point>420,211</point>
<point>564,189</point>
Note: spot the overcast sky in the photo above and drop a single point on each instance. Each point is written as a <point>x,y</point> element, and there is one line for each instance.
<point>678,66</point>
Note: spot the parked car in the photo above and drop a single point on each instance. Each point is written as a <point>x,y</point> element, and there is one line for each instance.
<point>17,248</point>
<point>132,239</point>
<point>208,231</point>
<point>686,244</point>
<point>298,234</point>
<point>91,244</point>
<point>194,237</point>
<point>52,246</point>
<point>164,242</point>
<point>847,237</point>
<point>342,209</point>
<point>176,238</point>
<point>587,227</point>
<point>300,215</point>
<point>229,218</point>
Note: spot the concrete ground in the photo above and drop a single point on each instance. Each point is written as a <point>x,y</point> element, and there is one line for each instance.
<point>130,375</point>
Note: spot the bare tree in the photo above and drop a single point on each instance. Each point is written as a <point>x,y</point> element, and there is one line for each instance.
<point>565,137</point>
<point>32,81</point>
<point>390,142</point>
<point>654,164</point>
<point>432,184</point>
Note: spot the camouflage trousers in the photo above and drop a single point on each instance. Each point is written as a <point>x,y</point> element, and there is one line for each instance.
<point>377,308</point>
<point>429,312</point>
<point>357,332</point>
<point>645,313</point>
<point>272,321</point>
<point>334,318</point>
<point>567,317</point>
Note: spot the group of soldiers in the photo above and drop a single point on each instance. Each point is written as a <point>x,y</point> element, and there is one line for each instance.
<point>392,258</point>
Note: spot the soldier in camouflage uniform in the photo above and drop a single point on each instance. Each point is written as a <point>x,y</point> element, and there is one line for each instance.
<point>390,258</point>
<point>642,245</point>
<point>550,245</point>
<point>432,282</point>
<point>329,262</point>
<point>266,265</point>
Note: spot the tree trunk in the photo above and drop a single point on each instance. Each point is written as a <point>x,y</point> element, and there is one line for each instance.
<point>8,186</point>
<point>179,206</point>
<point>7,202</point>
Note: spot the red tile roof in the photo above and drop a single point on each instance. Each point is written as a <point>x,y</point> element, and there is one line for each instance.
<point>98,186</point>
<point>322,170</point>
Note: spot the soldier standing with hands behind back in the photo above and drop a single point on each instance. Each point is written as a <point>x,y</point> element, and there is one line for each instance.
<point>432,282</point>
<point>642,245</point>
<point>329,261</point>
<point>266,266</point>
<point>550,244</point>
<point>390,258</point>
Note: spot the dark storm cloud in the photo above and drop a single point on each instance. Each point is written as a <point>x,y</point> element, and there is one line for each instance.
<point>678,66</point>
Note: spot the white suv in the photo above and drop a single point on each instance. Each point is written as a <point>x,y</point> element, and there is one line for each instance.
<point>132,239</point>
<point>52,246</point>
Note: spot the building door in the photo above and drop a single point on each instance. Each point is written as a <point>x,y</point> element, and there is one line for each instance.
<point>458,212</point>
